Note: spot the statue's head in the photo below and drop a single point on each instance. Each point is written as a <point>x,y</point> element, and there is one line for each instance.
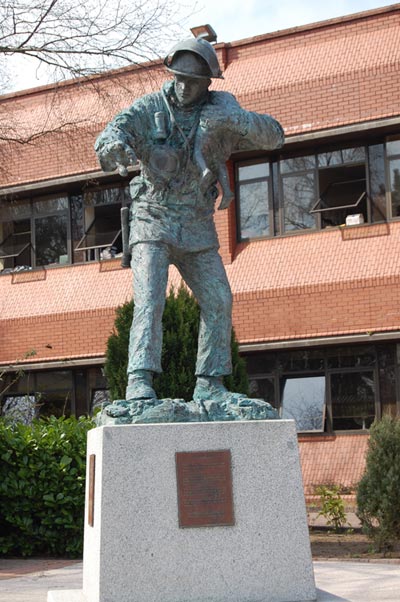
<point>194,57</point>
<point>193,62</point>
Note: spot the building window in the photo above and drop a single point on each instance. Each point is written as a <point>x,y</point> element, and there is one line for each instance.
<point>332,389</point>
<point>342,186</point>
<point>254,197</point>
<point>298,192</point>
<point>34,233</point>
<point>102,218</point>
<point>393,155</point>
<point>352,400</point>
<point>289,194</point>
<point>61,392</point>
<point>303,400</point>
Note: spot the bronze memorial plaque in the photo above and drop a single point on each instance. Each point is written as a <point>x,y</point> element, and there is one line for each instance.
<point>92,469</point>
<point>204,481</point>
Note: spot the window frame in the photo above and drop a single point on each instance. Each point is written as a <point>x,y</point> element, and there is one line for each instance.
<point>32,218</point>
<point>388,160</point>
<point>125,201</point>
<point>240,183</point>
<point>375,211</point>
<point>278,371</point>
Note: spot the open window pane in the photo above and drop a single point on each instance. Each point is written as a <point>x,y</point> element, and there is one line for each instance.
<point>303,399</point>
<point>353,400</point>
<point>13,246</point>
<point>95,239</point>
<point>343,193</point>
<point>15,250</point>
<point>104,231</point>
<point>254,209</point>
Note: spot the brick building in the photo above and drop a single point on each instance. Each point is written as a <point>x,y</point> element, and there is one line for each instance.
<point>310,243</point>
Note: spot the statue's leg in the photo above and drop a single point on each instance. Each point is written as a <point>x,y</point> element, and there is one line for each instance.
<point>205,274</point>
<point>149,263</point>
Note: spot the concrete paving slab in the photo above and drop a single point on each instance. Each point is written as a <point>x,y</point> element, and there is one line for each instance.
<point>336,582</point>
<point>357,582</point>
<point>33,587</point>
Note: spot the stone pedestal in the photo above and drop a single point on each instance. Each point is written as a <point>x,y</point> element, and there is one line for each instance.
<point>135,550</point>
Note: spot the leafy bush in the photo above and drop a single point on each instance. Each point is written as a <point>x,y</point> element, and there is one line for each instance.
<point>180,333</point>
<point>332,509</point>
<point>378,494</point>
<point>42,485</point>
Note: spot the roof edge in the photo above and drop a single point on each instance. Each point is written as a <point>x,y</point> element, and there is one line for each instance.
<point>366,14</point>
<point>219,46</point>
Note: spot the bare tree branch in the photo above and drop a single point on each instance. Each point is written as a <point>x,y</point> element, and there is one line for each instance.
<point>83,38</point>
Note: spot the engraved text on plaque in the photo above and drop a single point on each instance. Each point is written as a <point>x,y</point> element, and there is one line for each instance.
<point>204,481</point>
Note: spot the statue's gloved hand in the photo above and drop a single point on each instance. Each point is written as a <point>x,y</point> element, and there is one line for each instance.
<point>116,155</point>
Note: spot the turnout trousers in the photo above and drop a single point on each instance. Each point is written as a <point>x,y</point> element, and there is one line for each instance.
<point>204,273</point>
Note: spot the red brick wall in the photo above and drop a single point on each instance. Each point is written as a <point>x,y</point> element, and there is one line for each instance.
<point>77,334</point>
<point>327,460</point>
<point>318,284</point>
<point>342,72</point>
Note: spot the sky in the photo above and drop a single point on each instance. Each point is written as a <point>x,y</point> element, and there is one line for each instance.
<point>237,19</point>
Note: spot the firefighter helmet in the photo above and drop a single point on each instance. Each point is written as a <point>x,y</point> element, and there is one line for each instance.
<point>194,57</point>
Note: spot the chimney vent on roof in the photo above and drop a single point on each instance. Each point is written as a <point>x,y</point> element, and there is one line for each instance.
<point>206,32</point>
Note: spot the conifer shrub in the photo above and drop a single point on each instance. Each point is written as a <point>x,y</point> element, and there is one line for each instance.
<point>180,333</point>
<point>378,493</point>
<point>42,486</point>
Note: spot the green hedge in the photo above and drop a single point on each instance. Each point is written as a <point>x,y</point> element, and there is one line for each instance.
<point>378,493</point>
<point>42,486</point>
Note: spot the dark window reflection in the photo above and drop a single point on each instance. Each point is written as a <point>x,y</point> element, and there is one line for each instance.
<point>387,378</point>
<point>350,357</point>
<point>51,239</point>
<point>254,210</point>
<point>353,400</point>
<point>302,359</point>
<point>254,200</point>
<point>395,186</point>
<point>353,373</point>
<point>260,363</point>
<point>54,392</point>
<point>298,199</point>
<point>263,388</point>
<point>377,182</point>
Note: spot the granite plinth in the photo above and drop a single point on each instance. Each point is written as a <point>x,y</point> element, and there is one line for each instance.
<point>136,551</point>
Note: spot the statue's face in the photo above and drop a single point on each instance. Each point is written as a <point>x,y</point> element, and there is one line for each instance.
<point>190,90</point>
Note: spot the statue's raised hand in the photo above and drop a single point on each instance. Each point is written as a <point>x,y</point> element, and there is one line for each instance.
<point>117,155</point>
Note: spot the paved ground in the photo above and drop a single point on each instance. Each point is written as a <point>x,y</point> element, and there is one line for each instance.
<point>29,580</point>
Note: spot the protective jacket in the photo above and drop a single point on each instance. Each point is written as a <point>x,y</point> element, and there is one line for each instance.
<point>169,204</point>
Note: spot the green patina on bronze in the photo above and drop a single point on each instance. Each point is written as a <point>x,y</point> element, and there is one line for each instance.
<point>182,136</point>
